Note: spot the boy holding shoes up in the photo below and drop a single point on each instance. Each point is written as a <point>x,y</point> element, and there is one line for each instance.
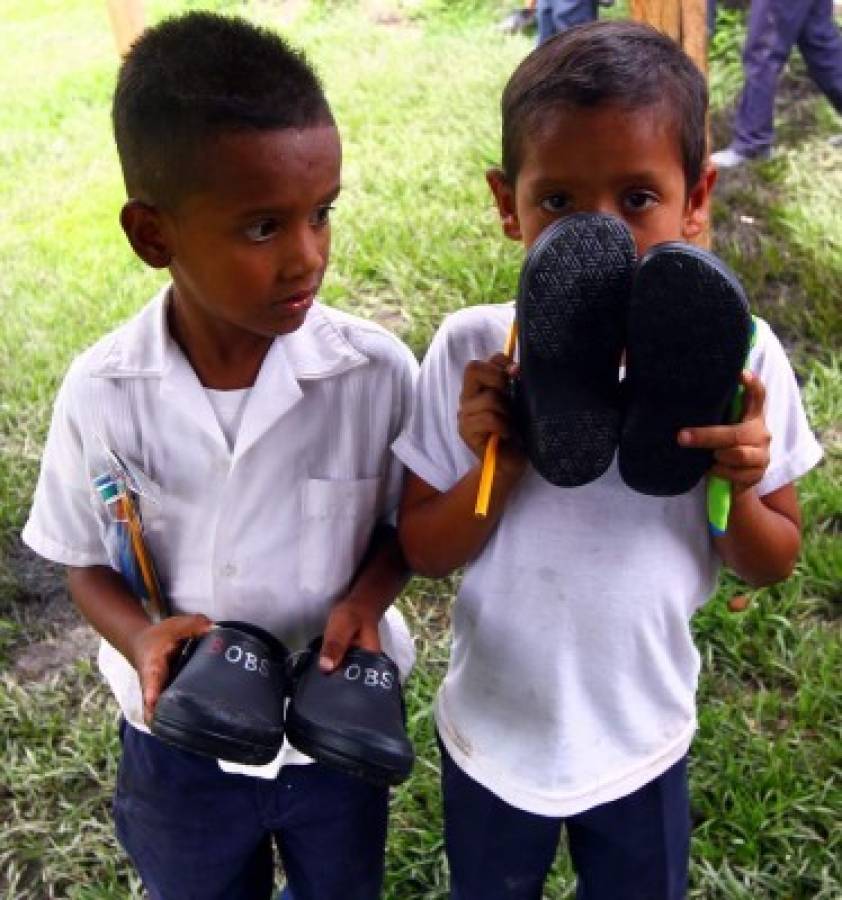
<point>570,696</point>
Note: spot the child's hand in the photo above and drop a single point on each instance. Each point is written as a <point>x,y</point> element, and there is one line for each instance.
<point>348,625</point>
<point>484,411</point>
<point>154,648</point>
<point>740,451</point>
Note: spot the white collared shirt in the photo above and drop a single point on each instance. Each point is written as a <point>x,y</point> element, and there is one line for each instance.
<point>270,531</point>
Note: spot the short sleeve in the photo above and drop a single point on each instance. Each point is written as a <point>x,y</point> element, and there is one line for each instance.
<point>794,449</point>
<point>63,525</point>
<point>430,446</point>
<point>404,378</point>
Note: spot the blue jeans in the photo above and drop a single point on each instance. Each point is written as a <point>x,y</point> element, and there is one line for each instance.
<point>635,848</point>
<point>554,16</point>
<point>196,833</point>
<point>774,28</point>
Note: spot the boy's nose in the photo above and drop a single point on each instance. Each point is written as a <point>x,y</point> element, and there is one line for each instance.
<point>304,251</point>
<point>607,206</point>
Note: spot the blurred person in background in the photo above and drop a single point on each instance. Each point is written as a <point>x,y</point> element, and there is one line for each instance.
<point>775,27</point>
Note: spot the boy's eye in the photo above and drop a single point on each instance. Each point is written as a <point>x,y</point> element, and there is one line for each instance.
<point>638,201</point>
<point>262,231</point>
<point>322,216</point>
<point>555,203</point>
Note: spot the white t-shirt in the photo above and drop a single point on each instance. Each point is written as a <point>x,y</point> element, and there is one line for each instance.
<point>573,674</point>
<point>269,530</point>
<point>228,407</point>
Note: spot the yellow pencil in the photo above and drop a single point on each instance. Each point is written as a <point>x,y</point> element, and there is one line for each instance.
<point>144,559</point>
<point>489,461</point>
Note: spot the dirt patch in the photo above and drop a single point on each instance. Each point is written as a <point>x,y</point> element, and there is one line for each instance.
<point>48,633</point>
<point>50,656</point>
<point>746,203</point>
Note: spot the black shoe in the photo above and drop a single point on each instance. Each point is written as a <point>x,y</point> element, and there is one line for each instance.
<point>353,718</point>
<point>689,329</point>
<point>226,698</point>
<point>571,307</point>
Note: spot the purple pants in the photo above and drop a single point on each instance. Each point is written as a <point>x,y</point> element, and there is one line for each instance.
<point>774,28</point>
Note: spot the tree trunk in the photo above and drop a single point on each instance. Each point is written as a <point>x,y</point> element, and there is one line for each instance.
<point>127,22</point>
<point>685,21</point>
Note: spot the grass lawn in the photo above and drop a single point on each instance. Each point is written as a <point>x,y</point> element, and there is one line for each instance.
<point>415,87</point>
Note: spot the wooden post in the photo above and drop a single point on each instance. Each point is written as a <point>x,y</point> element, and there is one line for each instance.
<point>685,21</point>
<point>127,22</point>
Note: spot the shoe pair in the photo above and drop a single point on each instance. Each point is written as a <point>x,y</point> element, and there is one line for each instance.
<point>682,319</point>
<point>229,690</point>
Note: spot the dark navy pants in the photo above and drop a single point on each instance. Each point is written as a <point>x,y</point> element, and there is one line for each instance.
<point>635,848</point>
<point>196,833</point>
<point>774,28</point>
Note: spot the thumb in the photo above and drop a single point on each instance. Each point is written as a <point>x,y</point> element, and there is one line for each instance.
<point>339,633</point>
<point>183,627</point>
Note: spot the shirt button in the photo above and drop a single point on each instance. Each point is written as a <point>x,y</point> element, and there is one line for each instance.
<point>229,570</point>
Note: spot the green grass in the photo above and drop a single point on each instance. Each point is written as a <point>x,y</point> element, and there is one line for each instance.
<point>415,237</point>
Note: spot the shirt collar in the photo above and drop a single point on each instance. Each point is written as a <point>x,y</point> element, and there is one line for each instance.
<point>143,346</point>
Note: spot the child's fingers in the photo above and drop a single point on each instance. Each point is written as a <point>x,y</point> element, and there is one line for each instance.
<point>744,456</point>
<point>337,639</point>
<point>739,475</point>
<point>153,677</point>
<point>482,376</point>
<point>750,432</point>
<point>369,638</point>
<point>344,628</point>
<point>500,361</point>
<point>483,424</point>
<point>754,396</point>
<point>179,628</point>
<point>487,401</point>
<point>751,428</point>
<point>714,437</point>
<point>163,642</point>
<point>482,416</point>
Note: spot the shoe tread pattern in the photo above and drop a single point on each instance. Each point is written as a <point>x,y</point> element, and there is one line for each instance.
<point>688,333</point>
<point>571,303</point>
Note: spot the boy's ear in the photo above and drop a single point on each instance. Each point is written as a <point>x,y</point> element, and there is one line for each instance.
<point>504,196</point>
<point>697,213</point>
<point>143,226</point>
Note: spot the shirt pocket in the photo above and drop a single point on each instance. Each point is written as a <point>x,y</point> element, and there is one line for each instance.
<point>337,520</point>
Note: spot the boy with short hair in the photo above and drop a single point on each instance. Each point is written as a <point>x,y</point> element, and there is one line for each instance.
<point>259,423</point>
<point>569,700</point>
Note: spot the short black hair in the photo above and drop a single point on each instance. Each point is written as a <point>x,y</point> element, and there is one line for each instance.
<point>193,77</point>
<point>626,63</point>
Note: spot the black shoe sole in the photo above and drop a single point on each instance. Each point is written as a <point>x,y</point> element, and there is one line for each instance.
<point>570,309</point>
<point>688,333</point>
<point>209,743</point>
<point>342,753</point>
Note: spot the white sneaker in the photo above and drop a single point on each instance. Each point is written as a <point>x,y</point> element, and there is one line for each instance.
<point>730,158</point>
